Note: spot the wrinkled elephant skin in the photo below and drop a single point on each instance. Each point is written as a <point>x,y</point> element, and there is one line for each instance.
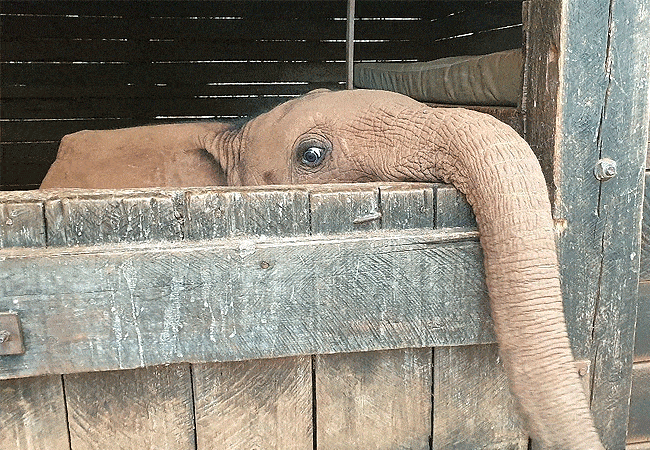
<point>353,136</point>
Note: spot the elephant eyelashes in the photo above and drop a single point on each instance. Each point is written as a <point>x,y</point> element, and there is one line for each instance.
<point>313,152</point>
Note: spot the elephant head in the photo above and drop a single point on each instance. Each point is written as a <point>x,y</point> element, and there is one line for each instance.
<point>353,136</point>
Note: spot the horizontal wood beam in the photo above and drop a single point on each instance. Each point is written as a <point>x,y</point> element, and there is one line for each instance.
<point>132,305</point>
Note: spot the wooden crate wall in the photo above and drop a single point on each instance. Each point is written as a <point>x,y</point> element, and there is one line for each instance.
<point>73,65</point>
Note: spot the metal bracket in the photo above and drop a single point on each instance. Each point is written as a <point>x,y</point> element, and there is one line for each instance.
<point>11,335</point>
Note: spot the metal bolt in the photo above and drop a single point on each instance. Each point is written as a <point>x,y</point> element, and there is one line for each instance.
<point>605,169</point>
<point>5,336</point>
<point>265,265</point>
<point>582,371</point>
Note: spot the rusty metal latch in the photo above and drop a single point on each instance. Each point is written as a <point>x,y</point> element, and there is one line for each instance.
<point>11,335</point>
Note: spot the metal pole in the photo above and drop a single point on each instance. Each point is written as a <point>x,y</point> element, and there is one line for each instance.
<point>349,45</point>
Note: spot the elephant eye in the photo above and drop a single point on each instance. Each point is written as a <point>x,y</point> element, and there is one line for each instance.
<point>313,156</point>
<point>311,152</point>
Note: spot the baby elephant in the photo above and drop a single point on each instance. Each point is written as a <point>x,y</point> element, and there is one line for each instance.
<point>360,135</point>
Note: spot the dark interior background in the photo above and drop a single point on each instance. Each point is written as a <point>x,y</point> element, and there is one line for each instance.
<point>71,65</point>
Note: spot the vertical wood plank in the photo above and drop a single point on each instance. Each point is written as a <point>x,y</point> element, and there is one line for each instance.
<point>32,410</point>
<point>639,423</point>
<point>601,119</point>
<point>644,274</point>
<point>142,408</point>
<point>22,225</point>
<point>642,336</point>
<point>263,404</point>
<point>589,100</point>
<point>32,414</point>
<point>110,219</point>
<point>380,399</point>
<point>131,409</point>
<point>336,209</point>
<point>271,213</point>
<point>259,403</point>
<point>473,407</point>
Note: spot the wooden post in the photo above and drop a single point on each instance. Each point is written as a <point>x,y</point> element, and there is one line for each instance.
<point>349,45</point>
<point>587,99</point>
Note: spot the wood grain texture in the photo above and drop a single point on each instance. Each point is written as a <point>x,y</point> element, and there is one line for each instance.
<point>576,116</point>
<point>376,399</point>
<point>32,410</point>
<point>639,422</point>
<point>224,213</point>
<point>132,409</point>
<point>33,414</point>
<point>452,209</point>
<point>264,404</point>
<point>473,406</point>
<point>336,209</point>
<point>22,225</point>
<point>644,274</point>
<point>257,403</point>
<point>642,336</point>
<point>111,219</point>
<point>408,206</point>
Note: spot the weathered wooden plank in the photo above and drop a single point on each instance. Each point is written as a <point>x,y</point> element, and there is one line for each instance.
<point>114,218</point>
<point>32,410</point>
<point>473,406</point>
<point>22,225</point>
<point>375,399</point>
<point>575,116</point>
<point>134,409</point>
<point>622,135</point>
<point>33,414</point>
<point>259,403</point>
<point>642,337</point>
<point>452,209</point>
<point>263,403</point>
<point>216,214</point>
<point>639,423</point>
<point>125,306</point>
<point>407,206</point>
<point>645,233</point>
<point>336,209</point>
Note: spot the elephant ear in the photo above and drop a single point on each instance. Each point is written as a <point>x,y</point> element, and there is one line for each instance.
<point>140,157</point>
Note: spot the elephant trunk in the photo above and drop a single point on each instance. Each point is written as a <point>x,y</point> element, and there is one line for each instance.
<point>502,180</point>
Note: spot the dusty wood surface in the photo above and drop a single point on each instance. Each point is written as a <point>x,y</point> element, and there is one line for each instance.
<point>254,404</point>
<point>645,232</point>
<point>159,303</point>
<point>260,403</point>
<point>377,399</point>
<point>32,410</point>
<point>574,117</point>
<point>473,406</point>
<point>642,338</point>
<point>22,225</point>
<point>33,414</point>
<point>472,403</point>
<point>639,424</point>
<point>133,409</point>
